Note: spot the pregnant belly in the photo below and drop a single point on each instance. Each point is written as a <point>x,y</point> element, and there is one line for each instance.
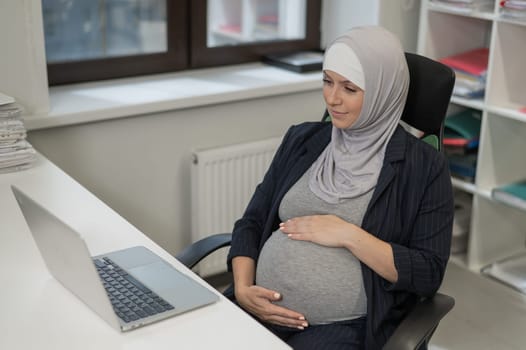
<point>324,284</point>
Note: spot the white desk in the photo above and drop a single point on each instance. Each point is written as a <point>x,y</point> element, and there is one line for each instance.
<point>38,313</point>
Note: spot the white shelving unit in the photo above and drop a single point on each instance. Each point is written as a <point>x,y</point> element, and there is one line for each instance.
<point>497,231</point>
<point>233,22</point>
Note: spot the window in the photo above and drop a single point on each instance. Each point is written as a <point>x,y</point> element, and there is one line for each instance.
<point>89,40</point>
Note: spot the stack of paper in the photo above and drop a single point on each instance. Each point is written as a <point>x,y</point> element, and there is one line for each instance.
<point>15,152</point>
<point>515,9</point>
<point>470,69</point>
<point>464,6</point>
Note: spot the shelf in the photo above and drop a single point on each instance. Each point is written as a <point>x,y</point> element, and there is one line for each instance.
<point>510,271</point>
<point>486,194</point>
<point>511,21</point>
<point>463,185</point>
<point>232,22</point>
<point>476,103</point>
<point>512,113</point>
<point>486,15</point>
<point>468,33</point>
<point>232,35</point>
<point>257,35</point>
<point>470,188</point>
<point>496,230</point>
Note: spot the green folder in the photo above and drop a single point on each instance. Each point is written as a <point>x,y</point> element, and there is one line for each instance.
<point>513,194</point>
<point>465,124</point>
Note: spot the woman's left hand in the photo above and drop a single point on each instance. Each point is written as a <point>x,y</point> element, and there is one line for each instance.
<point>326,230</point>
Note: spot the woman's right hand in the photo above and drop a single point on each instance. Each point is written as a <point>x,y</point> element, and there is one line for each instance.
<point>259,302</point>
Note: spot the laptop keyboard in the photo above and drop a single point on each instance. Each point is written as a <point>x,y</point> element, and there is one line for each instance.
<point>130,299</point>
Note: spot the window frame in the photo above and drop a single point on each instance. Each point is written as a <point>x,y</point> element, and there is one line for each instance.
<point>186,48</point>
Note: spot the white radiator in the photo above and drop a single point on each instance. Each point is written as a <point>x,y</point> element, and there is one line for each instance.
<point>223,181</point>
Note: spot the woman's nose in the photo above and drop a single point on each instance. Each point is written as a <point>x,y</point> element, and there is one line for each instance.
<point>332,97</point>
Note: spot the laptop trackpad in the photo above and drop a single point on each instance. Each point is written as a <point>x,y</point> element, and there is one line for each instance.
<point>173,286</point>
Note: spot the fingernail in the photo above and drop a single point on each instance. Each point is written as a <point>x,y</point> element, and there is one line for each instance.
<point>302,318</point>
<point>300,328</point>
<point>276,295</point>
<point>304,324</point>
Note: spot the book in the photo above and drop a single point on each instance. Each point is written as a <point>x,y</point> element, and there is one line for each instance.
<point>460,142</point>
<point>513,194</point>
<point>463,166</point>
<point>462,129</point>
<point>473,62</point>
<point>302,61</point>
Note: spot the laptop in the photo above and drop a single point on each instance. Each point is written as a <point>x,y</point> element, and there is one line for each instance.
<point>128,288</point>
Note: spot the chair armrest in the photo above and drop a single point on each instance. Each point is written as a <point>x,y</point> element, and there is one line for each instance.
<point>418,326</point>
<point>197,251</point>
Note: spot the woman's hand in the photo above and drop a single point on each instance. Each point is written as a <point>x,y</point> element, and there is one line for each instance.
<point>258,301</point>
<point>326,230</point>
<point>331,231</point>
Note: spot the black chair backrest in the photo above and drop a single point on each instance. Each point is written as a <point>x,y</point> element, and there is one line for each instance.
<point>430,88</point>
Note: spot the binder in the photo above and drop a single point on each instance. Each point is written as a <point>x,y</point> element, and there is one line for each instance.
<point>513,194</point>
<point>463,129</point>
<point>470,69</point>
<point>473,62</point>
<point>300,62</point>
<point>463,166</point>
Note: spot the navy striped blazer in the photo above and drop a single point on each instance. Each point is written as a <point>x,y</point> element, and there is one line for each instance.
<point>411,208</point>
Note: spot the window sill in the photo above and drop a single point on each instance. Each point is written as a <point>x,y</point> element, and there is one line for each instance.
<point>98,101</point>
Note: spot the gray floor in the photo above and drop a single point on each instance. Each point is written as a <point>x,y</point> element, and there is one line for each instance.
<point>487,314</point>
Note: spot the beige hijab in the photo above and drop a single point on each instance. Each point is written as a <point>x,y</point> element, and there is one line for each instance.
<point>350,165</point>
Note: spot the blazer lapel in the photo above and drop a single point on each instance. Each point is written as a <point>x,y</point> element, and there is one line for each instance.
<point>312,149</point>
<point>395,152</point>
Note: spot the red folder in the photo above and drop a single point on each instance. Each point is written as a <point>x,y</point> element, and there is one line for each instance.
<point>473,62</point>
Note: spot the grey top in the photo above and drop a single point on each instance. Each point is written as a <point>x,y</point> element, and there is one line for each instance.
<point>325,284</point>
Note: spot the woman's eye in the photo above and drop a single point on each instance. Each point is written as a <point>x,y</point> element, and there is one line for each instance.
<point>349,89</point>
<point>326,81</point>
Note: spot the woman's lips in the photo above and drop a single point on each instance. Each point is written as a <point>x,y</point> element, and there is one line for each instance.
<point>337,114</point>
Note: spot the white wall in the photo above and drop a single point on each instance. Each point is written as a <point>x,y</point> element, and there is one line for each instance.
<point>140,166</point>
<point>22,56</point>
<point>399,16</point>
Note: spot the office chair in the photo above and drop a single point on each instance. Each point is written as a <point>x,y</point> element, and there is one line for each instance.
<point>430,88</point>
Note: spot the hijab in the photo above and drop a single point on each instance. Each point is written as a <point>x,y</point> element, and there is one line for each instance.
<point>373,59</point>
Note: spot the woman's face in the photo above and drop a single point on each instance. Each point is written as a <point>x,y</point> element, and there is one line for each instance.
<point>343,99</point>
